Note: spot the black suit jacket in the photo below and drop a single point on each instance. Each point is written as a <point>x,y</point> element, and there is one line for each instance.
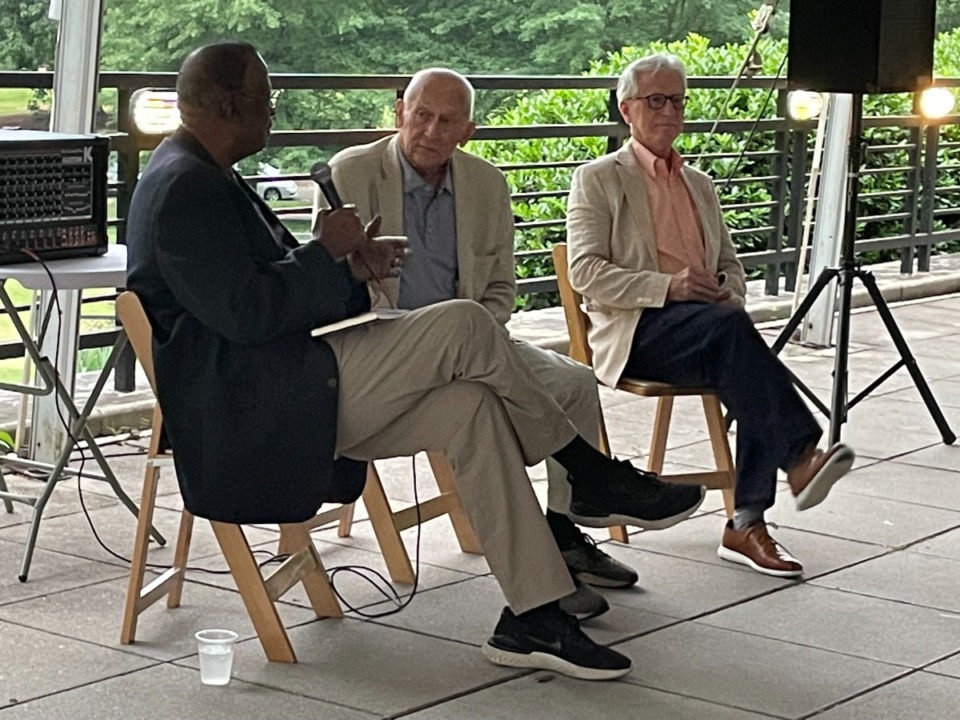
<point>249,398</point>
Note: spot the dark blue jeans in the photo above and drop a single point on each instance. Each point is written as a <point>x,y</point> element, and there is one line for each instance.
<point>717,347</point>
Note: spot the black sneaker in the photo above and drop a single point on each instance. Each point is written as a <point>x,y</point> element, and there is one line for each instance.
<point>638,498</point>
<point>553,641</point>
<point>584,603</point>
<point>591,565</point>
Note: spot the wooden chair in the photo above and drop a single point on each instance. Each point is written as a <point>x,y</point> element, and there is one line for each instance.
<point>259,594</point>
<point>723,477</point>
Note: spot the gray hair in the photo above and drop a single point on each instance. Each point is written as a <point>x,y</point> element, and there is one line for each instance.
<point>422,77</point>
<point>627,85</point>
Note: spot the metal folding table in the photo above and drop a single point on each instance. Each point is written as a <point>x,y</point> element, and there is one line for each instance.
<point>108,270</point>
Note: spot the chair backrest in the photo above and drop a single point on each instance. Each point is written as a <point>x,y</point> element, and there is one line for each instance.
<point>139,333</point>
<point>577,320</point>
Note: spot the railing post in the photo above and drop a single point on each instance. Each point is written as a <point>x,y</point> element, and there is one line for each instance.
<point>929,193</point>
<point>778,193</point>
<point>128,167</point>
<point>914,138</point>
<point>613,115</point>
<point>799,138</point>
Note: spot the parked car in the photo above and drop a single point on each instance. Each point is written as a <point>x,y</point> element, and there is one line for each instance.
<point>274,189</point>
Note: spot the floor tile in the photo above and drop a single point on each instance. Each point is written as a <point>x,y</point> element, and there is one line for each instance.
<point>674,586</point>
<point>867,519</point>
<point>896,480</point>
<point>906,577</point>
<point>175,692</point>
<point>846,623</point>
<point>50,572</point>
<point>542,696</point>
<point>950,666</point>
<point>96,614</point>
<point>756,674</point>
<point>37,663</point>
<point>921,695</point>
<point>468,612</point>
<point>371,667</point>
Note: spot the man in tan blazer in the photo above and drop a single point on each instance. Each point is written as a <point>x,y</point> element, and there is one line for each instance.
<point>664,292</point>
<point>455,210</point>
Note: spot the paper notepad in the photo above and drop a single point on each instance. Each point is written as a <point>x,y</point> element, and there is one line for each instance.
<point>361,319</point>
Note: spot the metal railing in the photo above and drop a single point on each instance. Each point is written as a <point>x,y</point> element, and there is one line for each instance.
<point>921,199</point>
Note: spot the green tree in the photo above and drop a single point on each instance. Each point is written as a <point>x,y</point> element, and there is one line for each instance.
<point>27,36</point>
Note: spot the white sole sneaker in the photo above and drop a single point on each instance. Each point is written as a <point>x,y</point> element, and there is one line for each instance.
<point>612,520</point>
<point>546,661</point>
<point>733,556</point>
<point>836,466</point>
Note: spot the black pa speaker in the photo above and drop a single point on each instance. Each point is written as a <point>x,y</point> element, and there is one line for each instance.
<point>861,46</point>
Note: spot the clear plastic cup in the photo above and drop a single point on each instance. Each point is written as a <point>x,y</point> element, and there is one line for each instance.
<point>215,648</point>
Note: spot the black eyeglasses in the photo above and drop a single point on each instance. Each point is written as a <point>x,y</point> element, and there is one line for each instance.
<point>658,100</point>
<point>272,99</point>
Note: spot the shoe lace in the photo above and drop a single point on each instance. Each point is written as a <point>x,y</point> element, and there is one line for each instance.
<point>768,540</point>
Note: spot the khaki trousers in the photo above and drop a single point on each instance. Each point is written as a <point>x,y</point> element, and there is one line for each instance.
<point>447,378</point>
<point>574,387</point>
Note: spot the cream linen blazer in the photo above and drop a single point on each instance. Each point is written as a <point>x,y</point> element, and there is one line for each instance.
<point>370,177</point>
<point>613,253</point>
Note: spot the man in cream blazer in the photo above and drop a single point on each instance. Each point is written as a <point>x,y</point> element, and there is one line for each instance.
<point>664,291</point>
<point>455,209</point>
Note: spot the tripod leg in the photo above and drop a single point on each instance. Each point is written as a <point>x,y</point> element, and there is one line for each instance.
<point>909,361</point>
<point>823,279</point>
<point>838,399</point>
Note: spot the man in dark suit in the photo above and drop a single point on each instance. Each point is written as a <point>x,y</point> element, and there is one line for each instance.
<point>257,410</point>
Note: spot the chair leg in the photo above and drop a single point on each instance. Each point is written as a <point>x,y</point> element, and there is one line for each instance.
<point>138,562</point>
<point>661,430</point>
<point>381,518</point>
<point>260,608</point>
<point>346,520</point>
<point>443,474</point>
<point>180,557</point>
<point>721,448</point>
<point>315,581</point>
<point>617,532</point>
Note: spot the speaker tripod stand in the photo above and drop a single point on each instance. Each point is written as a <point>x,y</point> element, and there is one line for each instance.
<point>848,271</point>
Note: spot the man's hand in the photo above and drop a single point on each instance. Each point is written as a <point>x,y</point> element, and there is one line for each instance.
<point>695,284</point>
<point>378,257</point>
<point>340,231</point>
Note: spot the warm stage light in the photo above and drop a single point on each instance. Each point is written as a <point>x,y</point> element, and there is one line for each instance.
<point>936,103</point>
<point>804,104</point>
<point>155,112</point>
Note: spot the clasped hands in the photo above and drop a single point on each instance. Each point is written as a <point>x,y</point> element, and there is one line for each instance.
<point>693,284</point>
<point>369,257</point>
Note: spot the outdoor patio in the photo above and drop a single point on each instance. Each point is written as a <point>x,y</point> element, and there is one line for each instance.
<point>872,632</point>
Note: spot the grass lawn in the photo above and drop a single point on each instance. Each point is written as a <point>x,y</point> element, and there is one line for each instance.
<point>13,101</point>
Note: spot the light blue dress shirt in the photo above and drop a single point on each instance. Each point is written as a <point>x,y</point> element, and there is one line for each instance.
<point>430,224</point>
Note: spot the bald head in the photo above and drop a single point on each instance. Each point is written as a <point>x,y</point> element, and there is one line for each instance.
<point>442,81</point>
<point>226,100</point>
<point>434,117</point>
<point>211,72</point>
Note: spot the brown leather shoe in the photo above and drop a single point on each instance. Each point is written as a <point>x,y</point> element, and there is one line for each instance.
<point>754,548</point>
<point>816,471</point>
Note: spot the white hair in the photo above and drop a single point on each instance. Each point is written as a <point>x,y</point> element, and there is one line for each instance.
<point>423,76</point>
<point>627,85</point>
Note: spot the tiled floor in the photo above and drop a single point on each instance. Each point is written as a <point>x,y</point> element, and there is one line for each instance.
<point>873,631</point>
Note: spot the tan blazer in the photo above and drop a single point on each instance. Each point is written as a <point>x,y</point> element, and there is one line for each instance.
<point>370,177</point>
<point>613,252</point>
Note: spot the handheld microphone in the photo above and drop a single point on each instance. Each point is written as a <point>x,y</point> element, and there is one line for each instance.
<point>322,175</point>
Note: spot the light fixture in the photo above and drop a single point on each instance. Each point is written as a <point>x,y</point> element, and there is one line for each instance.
<point>936,103</point>
<point>804,104</point>
<point>155,112</point>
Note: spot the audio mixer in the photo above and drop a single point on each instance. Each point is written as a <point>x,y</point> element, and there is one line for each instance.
<point>53,195</point>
